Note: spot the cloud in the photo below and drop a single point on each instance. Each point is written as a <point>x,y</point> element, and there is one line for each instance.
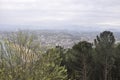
<point>60,12</point>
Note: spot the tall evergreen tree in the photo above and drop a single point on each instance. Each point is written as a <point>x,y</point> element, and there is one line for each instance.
<point>80,60</point>
<point>105,53</point>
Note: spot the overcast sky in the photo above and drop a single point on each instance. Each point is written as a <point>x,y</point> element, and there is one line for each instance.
<point>54,13</point>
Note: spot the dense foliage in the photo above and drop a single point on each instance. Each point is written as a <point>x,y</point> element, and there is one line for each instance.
<point>21,58</point>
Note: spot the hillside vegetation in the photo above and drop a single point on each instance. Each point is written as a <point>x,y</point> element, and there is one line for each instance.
<point>22,58</point>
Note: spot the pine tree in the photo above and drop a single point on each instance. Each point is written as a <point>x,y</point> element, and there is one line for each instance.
<point>21,59</point>
<point>80,59</point>
<point>48,68</point>
<point>105,53</point>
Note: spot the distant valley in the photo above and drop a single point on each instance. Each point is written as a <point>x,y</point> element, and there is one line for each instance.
<point>65,38</point>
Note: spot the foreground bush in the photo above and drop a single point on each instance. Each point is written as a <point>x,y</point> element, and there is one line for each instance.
<point>21,59</point>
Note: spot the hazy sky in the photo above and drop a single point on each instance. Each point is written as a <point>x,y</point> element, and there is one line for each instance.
<point>60,12</point>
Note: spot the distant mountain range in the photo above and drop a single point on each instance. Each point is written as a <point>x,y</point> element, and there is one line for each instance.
<point>67,27</point>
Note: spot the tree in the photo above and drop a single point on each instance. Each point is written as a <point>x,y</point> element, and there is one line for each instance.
<point>116,67</point>
<point>80,59</point>
<point>18,52</point>
<point>105,52</point>
<point>21,59</point>
<point>48,68</point>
